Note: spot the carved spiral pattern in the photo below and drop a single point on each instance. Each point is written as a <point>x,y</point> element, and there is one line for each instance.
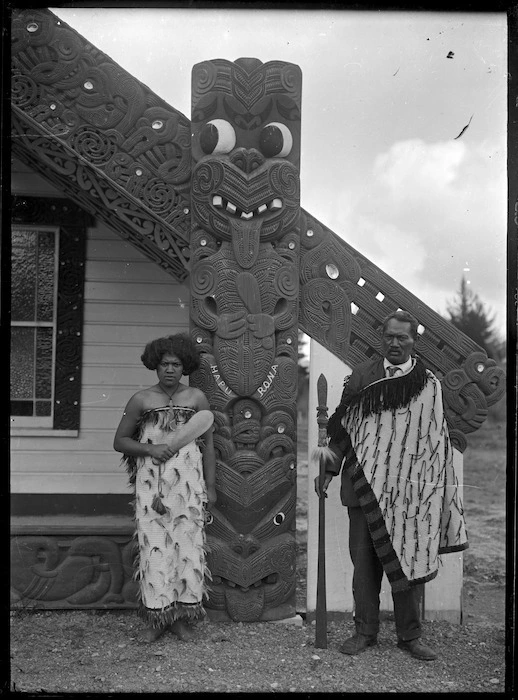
<point>25,92</point>
<point>204,77</point>
<point>68,47</point>
<point>284,179</point>
<point>287,282</point>
<point>458,440</point>
<point>43,35</point>
<point>493,385</point>
<point>97,110</point>
<point>486,374</point>
<point>69,354</point>
<point>207,177</point>
<point>290,80</point>
<point>159,196</point>
<point>93,145</point>
<point>118,168</point>
<point>455,380</point>
<point>203,282</point>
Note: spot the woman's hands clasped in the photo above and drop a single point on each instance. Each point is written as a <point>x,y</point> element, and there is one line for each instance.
<point>160,453</point>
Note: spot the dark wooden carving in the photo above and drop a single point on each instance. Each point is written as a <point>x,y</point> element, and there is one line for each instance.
<point>101,137</point>
<point>68,571</point>
<point>244,311</point>
<point>72,222</point>
<point>344,298</point>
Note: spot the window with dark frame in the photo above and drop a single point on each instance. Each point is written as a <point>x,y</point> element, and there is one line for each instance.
<point>47,284</point>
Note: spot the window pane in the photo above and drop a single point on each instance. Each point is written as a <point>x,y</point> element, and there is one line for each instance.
<point>44,363</point>
<point>46,277</point>
<point>21,408</point>
<point>23,275</point>
<point>43,408</point>
<point>22,363</point>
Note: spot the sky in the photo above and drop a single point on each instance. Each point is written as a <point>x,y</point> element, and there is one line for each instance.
<point>385,97</point>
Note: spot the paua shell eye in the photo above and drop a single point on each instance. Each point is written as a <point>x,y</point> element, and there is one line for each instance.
<point>217,136</point>
<point>275,140</point>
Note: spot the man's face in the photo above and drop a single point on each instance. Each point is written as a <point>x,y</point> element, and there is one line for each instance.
<point>397,341</point>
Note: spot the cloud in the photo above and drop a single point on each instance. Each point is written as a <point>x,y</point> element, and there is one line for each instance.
<point>430,210</point>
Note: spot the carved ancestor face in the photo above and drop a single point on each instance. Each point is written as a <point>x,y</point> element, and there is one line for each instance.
<point>246,148</point>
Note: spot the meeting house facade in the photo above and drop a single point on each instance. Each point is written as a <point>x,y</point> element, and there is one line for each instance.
<point>132,221</point>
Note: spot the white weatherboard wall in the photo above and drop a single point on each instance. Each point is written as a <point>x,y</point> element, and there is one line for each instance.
<point>128,301</point>
<point>443,595</point>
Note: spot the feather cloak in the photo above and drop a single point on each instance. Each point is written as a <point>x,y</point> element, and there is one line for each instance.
<point>403,474</point>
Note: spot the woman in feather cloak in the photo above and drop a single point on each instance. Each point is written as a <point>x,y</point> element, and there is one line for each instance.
<point>165,435</point>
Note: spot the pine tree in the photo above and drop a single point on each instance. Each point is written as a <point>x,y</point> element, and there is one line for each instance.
<point>469,314</point>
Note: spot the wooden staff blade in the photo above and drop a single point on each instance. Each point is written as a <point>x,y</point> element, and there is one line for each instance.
<point>321,607</point>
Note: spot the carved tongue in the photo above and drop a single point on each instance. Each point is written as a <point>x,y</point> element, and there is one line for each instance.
<point>246,236</point>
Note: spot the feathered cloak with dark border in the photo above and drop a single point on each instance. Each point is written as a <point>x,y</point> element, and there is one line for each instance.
<point>401,467</point>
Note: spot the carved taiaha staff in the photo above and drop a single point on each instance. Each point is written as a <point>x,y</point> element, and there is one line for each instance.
<point>319,455</point>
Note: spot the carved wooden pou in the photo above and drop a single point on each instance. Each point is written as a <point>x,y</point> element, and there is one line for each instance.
<point>244,317</point>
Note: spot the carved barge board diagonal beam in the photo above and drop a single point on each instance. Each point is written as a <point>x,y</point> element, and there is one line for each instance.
<point>344,298</point>
<point>101,136</point>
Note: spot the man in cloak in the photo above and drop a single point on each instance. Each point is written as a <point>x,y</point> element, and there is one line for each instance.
<point>389,438</point>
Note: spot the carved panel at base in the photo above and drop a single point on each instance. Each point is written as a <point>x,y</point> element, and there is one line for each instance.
<point>72,572</point>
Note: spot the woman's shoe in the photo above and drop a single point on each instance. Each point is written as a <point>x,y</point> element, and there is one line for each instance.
<point>151,634</point>
<point>182,631</point>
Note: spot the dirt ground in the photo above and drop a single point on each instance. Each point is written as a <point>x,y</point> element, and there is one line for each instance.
<point>100,652</point>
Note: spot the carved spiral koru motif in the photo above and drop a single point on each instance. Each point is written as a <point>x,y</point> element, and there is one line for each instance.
<point>24,91</point>
<point>93,145</point>
<point>485,373</point>
<point>469,390</point>
<point>244,295</point>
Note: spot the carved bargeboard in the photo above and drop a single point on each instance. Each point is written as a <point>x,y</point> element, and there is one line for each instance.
<point>102,137</point>
<point>244,315</point>
<point>344,298</point>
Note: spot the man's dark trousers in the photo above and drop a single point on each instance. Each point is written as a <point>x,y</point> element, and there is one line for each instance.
<point>368,572</point>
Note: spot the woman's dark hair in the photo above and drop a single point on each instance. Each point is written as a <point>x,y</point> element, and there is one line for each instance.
<point>180,345</point>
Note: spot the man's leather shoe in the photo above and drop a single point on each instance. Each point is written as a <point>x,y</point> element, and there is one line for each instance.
<point>357,643</point>
<point>417,649</point>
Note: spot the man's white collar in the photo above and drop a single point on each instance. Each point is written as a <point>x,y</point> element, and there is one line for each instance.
<point>405,367</point>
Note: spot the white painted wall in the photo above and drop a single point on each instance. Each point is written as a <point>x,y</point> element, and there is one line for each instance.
<point>443,595</point>
<point>128,301</point>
